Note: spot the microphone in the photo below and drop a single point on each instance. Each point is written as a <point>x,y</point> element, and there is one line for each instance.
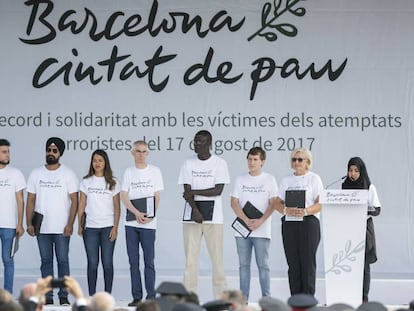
<point>336,181</point>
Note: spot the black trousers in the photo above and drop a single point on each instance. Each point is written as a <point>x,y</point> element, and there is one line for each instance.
<point>300,241</point>
<point>366,280</point>
<point>370,257</point>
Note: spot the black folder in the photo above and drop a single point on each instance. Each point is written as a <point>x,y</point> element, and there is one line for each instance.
<point>295,198</point>
<point>141,205</point>
<point>206,209</point>
<point>250,211</point>
<point>37,222</point>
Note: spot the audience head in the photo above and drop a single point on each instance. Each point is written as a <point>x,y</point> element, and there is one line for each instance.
<point>172,289</point>
<point>5,296</point>
<point>236,297</point>
<point>192,297</point>
<point>102,301</point>
<point>272,304</point>
<point>26,292</point>
<point>187,306</point>
<point>371,306</point>
<point>302,301</point>
<point>340,307</point>
<point>10,306</point>
<point>217,305</point>
<point>147,305</point>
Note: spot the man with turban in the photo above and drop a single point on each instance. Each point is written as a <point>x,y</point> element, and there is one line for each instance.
<point>52,202</point>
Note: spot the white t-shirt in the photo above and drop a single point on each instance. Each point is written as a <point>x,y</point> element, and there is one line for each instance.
<point>373,200</point>
<point>99,202</point>
<point>142,183</point>
<point>310,182</point>
<point>258,190</point>
<point>205,174</point>
<point>11,181</point>
<point>53,189</point>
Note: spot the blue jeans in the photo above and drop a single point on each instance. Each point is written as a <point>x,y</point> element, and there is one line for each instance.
<point>60,243</point>
<point>135,236</point>
<point>261,251</point>
<point>6,236</point>
<point>97,241</point>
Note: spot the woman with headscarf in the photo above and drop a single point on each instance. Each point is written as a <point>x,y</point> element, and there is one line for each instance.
<point>357,178</point>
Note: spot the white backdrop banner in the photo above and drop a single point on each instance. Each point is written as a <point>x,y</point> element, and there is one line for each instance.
<point>334,76</point>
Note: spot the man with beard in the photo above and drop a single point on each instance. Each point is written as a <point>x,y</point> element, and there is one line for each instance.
<point>52,194</point>
<point>203,177</point>
<point>12,183</point>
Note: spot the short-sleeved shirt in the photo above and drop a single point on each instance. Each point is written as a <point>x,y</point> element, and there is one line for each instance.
<point>99,201</point>
<point>11,181</point>
<point>206,174</point>
<point>142,183</point>
<point>53,189</point>
<point>373,200</point>
<point>258,190</point>
<point>310,182</point>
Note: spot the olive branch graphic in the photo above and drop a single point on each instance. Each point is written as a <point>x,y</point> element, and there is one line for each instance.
<point>269,22</point>
<point>339,259</point>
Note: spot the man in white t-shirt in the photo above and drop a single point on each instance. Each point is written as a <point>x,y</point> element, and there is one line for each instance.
<point>259,189</point>
<point>203,177</point>
<point>52,192</point>
<point>142,184</point>
<point>12,183</point>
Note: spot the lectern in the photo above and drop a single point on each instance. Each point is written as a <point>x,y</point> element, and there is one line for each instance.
<point>344,217</point>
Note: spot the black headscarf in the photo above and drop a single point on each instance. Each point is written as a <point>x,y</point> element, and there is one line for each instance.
<point>363,181</point>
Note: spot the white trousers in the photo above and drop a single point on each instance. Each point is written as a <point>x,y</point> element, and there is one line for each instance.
<point>213,235</point>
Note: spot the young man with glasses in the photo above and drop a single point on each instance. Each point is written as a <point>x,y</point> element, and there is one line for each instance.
<point>12,183</point>
<point>52,193</point>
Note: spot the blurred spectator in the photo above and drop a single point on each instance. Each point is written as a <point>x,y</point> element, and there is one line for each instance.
<point>102,301</point>
<point>236,297</point>
<point>302,302</point>
<point>371,306</point>
<point>268,303</point>
<point>148,305</point>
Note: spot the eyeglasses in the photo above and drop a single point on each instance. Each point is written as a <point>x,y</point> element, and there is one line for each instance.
<point>53,150</point>
<point>300,160</point>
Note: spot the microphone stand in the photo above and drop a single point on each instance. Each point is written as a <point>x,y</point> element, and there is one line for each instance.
<point>336,181</point>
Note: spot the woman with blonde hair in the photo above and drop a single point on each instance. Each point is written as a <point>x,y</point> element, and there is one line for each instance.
<point>298,202</point>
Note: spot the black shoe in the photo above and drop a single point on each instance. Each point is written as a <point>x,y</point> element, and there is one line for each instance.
<point>64,301</point>
<point>49,301</point>
<point>134,302</point>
